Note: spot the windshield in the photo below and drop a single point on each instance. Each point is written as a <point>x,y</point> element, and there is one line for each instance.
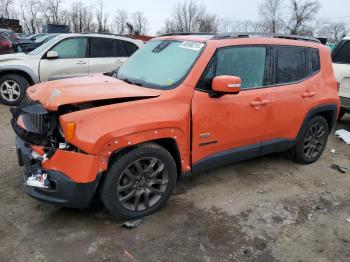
<point>41,38</point>
<point>161,64</point>
<point>43,46</point>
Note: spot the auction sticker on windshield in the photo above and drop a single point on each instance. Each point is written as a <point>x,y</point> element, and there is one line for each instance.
<point>191,45</point>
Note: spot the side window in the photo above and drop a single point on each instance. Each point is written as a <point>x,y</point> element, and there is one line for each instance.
<point>246,62</point>
<point>290,64</point>
<point>342,55</point>
<point>130,47</point>
<point>121,50</point>
<point>103,47</point>
<point>314,60</point>
<point>71,48</point>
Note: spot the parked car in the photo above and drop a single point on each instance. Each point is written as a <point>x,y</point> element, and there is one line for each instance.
<point>63,56</point>
<point>12,36</point>
<point>5,45</point>
<point>35,36</point>
<point>341,64</point>
<point>180,104</point>
<point>30,46</point>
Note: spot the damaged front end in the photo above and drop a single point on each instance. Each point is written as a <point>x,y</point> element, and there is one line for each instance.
<point>37,126</point>
<point>50,166</point>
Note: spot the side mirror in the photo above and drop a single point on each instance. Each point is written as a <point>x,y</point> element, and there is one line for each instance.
<point>52,55</point>
<point>226,85</point>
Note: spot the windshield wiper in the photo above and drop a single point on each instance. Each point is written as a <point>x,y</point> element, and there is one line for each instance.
<point>132,82</point>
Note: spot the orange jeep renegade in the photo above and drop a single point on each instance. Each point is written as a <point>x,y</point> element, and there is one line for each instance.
<point>183,103</point>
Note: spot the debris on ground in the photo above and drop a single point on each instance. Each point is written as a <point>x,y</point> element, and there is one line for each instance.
<point>131,223</point>
<point>347,220</point>
<point>344,135</point>
<point>263,173</point>
<point>127,253</point>
<point>339,168</point>
<point>332,151</point>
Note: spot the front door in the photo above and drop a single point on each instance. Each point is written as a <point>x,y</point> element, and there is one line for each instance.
<point>233,124</point>
<point>71,61</point>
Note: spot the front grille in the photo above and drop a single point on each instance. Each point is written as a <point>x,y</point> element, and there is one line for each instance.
<point>32,123</point>
<point>35,123</point>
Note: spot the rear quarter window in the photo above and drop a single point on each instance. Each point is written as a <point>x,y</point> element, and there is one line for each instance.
<point>313,60</point>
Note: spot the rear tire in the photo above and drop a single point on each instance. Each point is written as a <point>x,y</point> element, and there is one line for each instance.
<point>13,89</point>
<point>311,142</point>
<point>139,182</point>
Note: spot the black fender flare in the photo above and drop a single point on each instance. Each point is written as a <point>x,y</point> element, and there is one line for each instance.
<point>323,109</point>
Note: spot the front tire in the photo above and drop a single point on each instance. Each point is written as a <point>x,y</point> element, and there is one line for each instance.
<point>139,182</point>
<point>311,142</point>
<point>13,89</point>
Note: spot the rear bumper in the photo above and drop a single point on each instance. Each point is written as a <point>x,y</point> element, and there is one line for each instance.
<point>345,103</point>
<point>64,191</point>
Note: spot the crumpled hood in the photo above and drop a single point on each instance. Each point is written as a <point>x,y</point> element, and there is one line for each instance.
<point>84,89</point>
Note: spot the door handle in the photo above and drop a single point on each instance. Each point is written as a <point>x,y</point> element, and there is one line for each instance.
<point>308,94</point>
<point>259,103</point>
<point>81,63</point>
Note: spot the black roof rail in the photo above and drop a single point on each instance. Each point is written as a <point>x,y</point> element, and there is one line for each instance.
<point>187,33</point>
<point>252,34</point>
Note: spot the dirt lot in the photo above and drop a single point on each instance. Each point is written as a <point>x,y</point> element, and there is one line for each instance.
<point>267,209</point>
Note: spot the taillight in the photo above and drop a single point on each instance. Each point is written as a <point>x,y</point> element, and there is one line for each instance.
<point>6,43</point>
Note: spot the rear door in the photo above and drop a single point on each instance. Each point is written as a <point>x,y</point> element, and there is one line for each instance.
<point>294,90</point>
<point>71,62</point>
<point>106,54</point>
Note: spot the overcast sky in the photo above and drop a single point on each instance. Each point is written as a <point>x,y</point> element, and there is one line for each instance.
<point>157,11</point>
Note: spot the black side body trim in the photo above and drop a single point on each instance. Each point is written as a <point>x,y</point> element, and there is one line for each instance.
<point>226,158</point>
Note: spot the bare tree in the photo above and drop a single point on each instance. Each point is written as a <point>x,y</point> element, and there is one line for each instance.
<point>31,15</point>
<point>209,23</point>
<point>6,8</point>
<point>302,15</point>
<point>120,20</point>
<point>189,16</point>
<point>270,12</point>
<point>139,23</point>
<point>51,10</point>
<point>101,17</point>
<point>333,31</point>
<point>81,17</point>
<point>228,25</point>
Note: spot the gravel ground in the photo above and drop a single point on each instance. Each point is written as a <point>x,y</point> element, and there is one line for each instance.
<point>266,209</point>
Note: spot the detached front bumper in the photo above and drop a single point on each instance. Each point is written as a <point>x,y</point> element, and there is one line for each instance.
<point>62,191</point>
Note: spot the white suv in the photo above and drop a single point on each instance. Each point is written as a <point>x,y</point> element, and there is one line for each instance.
<point>64,56</point>
<point>341,65</point>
